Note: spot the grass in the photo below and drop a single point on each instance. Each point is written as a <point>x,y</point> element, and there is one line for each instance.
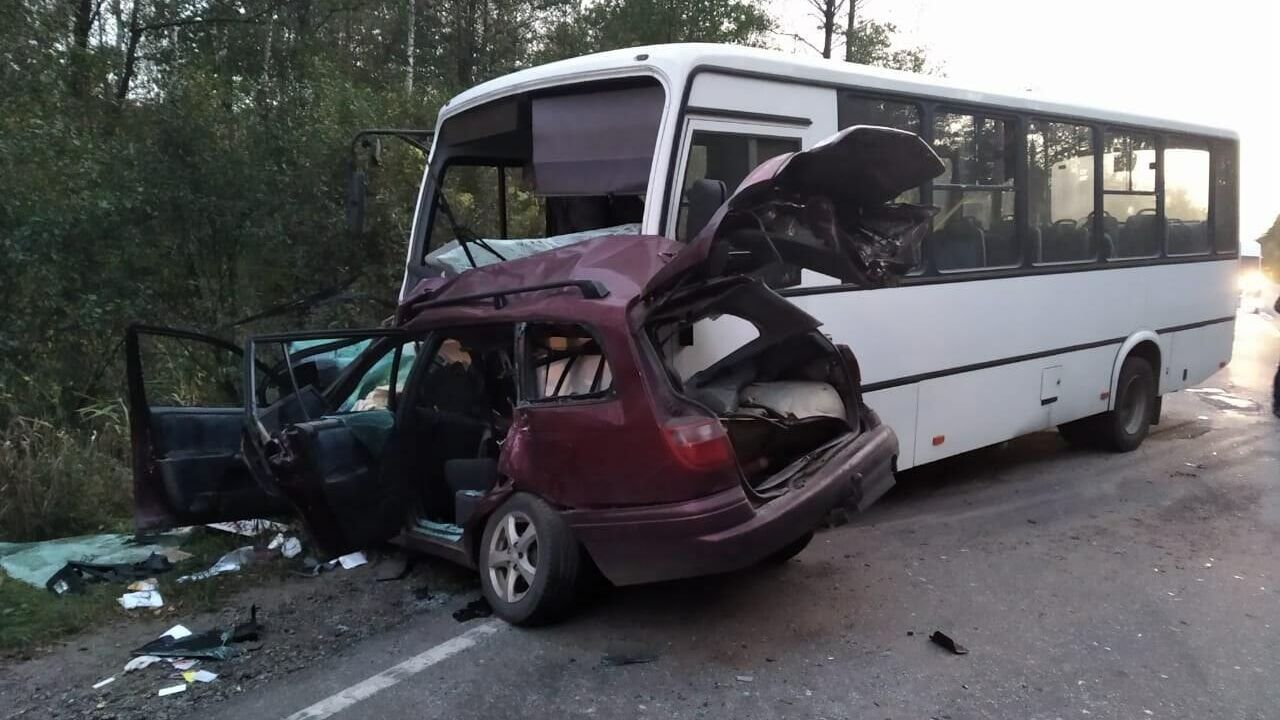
<point>33,617</point>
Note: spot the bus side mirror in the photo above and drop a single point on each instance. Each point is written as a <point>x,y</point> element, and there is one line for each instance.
<point>357,193</point>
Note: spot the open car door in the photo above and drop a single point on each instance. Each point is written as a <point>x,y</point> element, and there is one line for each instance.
<point>324,437</point>
<point>185,418</point>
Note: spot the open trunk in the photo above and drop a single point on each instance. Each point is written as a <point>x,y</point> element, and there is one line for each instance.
<point>782,392</point>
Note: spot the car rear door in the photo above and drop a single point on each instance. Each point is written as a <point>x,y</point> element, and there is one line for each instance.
<point>185,418</point>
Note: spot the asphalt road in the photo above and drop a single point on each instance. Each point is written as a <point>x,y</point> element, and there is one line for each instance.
<point>1084,585</point>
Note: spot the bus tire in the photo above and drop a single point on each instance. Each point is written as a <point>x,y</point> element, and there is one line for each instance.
<point>1124,427</point>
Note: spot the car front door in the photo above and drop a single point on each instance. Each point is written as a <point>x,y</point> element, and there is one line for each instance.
<point>185,415</point>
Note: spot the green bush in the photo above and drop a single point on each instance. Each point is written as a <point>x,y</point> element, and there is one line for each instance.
<point>56,482</point>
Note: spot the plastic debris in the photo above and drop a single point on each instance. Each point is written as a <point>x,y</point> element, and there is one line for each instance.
<point>229,563</point>
<point>621,659</point>
<point>172,690</point>
<point>203,676</point>
<point>143,585</point>
<point>292,547</point>
<point>744,678</point>
<point>144,599</point>
<point>140,662</point>
<point>249,528</point>
<point>179,642</point>
<point>74,575</point>
<point>352,560</point>
<point>35,563</point>
<point>183,663</point>
<point>478,608</point>
<point>103,683</point>
<point>943,640</point>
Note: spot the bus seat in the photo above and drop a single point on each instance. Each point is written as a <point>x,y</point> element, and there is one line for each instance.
<point>1138,236</point>
<point>1001,243</point>
<point>959,244</point>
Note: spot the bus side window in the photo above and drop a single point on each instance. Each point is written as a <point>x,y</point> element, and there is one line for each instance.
<point>975,227</point>
<point>1130,225</point>
<point>726,157</point>
<point>854,109</point>
<point>1186,197</point>
<point>1225,208</point>
<point>1060,184</point>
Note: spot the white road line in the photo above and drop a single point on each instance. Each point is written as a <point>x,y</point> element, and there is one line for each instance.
<point>365,688</point>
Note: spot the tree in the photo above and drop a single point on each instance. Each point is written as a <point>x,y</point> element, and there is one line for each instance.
<point>867,42</point>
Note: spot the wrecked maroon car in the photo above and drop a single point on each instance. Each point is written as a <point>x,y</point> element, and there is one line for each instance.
<point>539,418</point>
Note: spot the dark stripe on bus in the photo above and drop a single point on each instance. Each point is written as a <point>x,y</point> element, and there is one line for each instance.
<point>921,377</point>
<point>749,116</point>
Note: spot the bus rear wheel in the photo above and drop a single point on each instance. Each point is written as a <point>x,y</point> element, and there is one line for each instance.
<point>1124,427</point>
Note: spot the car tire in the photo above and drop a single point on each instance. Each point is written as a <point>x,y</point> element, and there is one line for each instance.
<point>1125,426</point>
<point>791,549</point>
<point>529,580</point>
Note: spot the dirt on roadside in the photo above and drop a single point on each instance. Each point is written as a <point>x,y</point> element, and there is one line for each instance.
<point>304,620</point>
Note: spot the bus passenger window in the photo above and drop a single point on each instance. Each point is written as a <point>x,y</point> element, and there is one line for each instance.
<point>975,227</point>
<point>1060,182</point>
<point>1225,209</point>
<point>726,157</point>
<point>853,109</point>
<point>1186,197</point>
<point>1130,225</point>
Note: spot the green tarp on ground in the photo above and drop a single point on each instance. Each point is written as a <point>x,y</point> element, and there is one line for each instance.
<point>35,562</point>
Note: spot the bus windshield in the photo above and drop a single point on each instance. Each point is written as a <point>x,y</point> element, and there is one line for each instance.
<point>533,172</point>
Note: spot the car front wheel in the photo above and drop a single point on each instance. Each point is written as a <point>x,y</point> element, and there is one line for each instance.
<point>529,562</point>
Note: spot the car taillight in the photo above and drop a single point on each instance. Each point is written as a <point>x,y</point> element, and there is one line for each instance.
<point>700,443</point>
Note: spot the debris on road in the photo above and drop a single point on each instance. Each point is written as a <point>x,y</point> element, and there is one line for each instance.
<point>289,547</point>
<point>395,567</point>
<point>140,662</point>
<point>215,644</point>
<point>621,659</point>
<point>203,676</point>
<point>143,585</point>
<point>943,640</point>
<point>143,599</point>
<point>352,560</point>
<point>74,575</point>
<point>35,563</point>
<point>103,683</point>
<point>231,562</point>
<point>172,690</point>
<point>249,528</point>
<point>744,678</point>
<point>478,608</point>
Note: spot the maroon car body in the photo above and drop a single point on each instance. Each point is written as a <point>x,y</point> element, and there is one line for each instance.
<point>645,469</point>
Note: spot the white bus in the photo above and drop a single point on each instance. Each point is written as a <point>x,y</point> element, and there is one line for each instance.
<point>1082,262</point>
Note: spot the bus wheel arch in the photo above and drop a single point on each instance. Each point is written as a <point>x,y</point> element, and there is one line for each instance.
<point>1145,345</point>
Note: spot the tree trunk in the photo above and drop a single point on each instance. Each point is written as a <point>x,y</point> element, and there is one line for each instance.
<point>828,26</point>
<point>849,32</point>
<point>130,54</point>
<point>81,28</point>
<point>409,52</point>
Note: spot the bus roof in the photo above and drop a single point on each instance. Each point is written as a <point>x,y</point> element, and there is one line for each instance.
<point>673,65</point>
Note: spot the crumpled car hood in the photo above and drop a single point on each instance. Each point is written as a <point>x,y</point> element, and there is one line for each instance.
<point>825,209</point>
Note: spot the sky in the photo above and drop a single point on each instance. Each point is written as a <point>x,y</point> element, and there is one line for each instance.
<point>1216,63</point>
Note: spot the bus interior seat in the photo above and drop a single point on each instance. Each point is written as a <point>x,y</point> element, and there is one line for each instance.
<point>959,244</point>
<point>705,196</point>
<point>1001,242</point>
<point>1139,236</point>
<point>1065,240</point>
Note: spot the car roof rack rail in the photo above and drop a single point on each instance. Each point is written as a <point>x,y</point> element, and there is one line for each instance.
<point>590,289</point>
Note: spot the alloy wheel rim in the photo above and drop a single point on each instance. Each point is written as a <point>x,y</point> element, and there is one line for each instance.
<point>513,557</point>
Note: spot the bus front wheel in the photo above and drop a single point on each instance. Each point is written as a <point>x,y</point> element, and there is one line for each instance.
<point>1124,427</point>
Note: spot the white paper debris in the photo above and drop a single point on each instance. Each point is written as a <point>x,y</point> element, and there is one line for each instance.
<point>203,676</point>
<point>172,689</point>
<point>276,541</point>
<point>140,662</point>
<point>177,632</point>
<point>231,562</point>
<point>291,548</point>
<point>144,599</point>
<point>249,528</point>
<point>104,683</point>
<point>183,663</point>
<point>355,559</point>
